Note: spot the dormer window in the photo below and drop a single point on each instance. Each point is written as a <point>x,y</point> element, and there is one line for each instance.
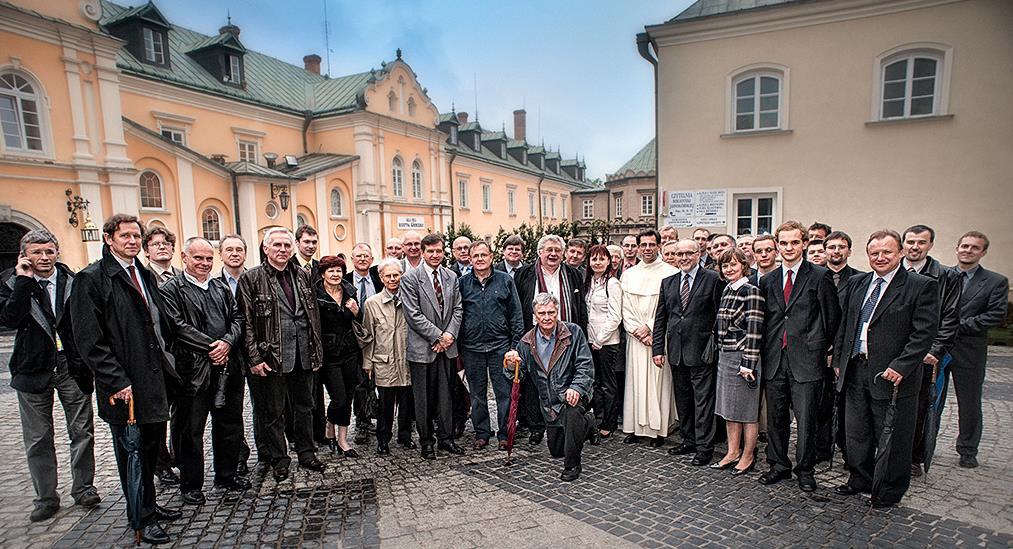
<point>222,56</point>
<point>154,48</point>
<point>478,142</point>
<point>453,135</point>
<point>234,69</point>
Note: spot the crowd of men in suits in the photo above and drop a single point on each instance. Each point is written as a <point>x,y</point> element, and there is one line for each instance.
<point>180,345</point>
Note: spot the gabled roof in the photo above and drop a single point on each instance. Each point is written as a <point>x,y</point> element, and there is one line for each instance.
<point>494,136</point>
<point>708,8</point>
<point>148,12</point>
<point>256,170</point>
<point>450,117</point>
<point>224,39</point>
<point>641,165</point>
<point>315,163</point>
<point>470,127</point>
<point>516,144</point>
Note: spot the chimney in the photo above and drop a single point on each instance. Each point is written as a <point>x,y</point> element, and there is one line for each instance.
<point>520,124</point>
<point>312,63</point>
<point>462,118</point>
<point>229,29</point>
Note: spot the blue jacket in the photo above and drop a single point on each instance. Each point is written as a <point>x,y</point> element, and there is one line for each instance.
<point>569,367</point>
<point>492,314</point>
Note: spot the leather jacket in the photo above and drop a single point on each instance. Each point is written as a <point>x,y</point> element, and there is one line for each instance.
<point>950,287</point>
<point>336,330</point>
<point>259,309</point>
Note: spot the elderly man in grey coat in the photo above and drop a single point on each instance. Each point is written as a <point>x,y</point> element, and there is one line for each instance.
<point>432,306</point>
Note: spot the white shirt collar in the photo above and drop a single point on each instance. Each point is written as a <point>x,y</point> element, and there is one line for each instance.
<point>125,263</point>
<point>887,277</point>
<point>794,269</point>
<point>692,272</point>
<point>51,278</point>
<point>739,283</point>
<point>202,285</point>
<point>916,266</point>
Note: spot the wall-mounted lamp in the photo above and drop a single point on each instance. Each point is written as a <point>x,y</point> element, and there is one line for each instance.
<point>89,233</point>
<point>281,193</point>
<point>271,158</point>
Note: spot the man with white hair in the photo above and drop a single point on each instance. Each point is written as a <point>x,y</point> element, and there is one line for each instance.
<point>283,350</point>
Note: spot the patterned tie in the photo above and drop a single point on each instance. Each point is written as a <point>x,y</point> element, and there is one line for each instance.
<point>308,266</point>
<point>438,288</point>
<point>362,291</point>
<point>787,297</point>
<point>137,282</point>
<point>867,309</point>
<point>684,294</point>
<point>837,280</point>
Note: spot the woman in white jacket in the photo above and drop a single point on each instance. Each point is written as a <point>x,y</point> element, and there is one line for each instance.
<point>604,316</point>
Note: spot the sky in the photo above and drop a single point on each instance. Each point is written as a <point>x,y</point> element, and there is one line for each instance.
<point>571,64</point>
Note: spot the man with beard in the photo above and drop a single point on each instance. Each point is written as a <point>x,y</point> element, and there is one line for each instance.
<point>838,250</point>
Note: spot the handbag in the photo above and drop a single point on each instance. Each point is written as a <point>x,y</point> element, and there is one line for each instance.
<point>710,350</point>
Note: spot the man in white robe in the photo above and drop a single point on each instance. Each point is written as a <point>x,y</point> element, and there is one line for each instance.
<point>648,407</point>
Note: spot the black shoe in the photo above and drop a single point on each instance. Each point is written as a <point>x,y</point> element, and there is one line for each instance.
<point>382,450</point>
<point>243,469</point>
<point>332,445</point>
<point>807,483</point>
<point>719,466</point>
<point>877,504</point>
<point>536,437</point>
<point>595,438</point>
<point>236,484</point>
<point>656,442</point>
<point>738,472</point>
<point>280,472</point>
<point>350,453</point>
<point>570,475</point>
<point>43,512</point>
<point>845,490</point>
<point>162,513</point>
<point>762,437</point>
<point>968,462</point>
<point>167,477</point>
<point>408,444</point>
<point>428,452</point>
<point>683,449</point>
<point>632,439</point>
<point>88,499</point>
<point>154,534</point>
<point>773,477</point>
<point>313,464</point>
<point>702,458</point>
<point>451,447</point>
<point>916,470</point>
<point>194,497</point>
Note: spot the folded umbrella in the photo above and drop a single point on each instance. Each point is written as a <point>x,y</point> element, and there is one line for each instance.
<point>936,402</point>
<point>884,445</point>
<point>515,398</point>
<point>130,439</point>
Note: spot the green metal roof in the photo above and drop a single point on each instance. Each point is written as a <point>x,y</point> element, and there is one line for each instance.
<point>641,165</point>
<point>493,136</point>
<point>708,8</point>
<point>314,163</point>
<point>516,144</point>
<point>249,168</point>
<point>449,117</point>
<point>224,39</point>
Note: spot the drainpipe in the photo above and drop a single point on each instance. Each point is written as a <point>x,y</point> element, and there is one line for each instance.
<point>450,174</point>
<point>644,45</point>
<point>307,120</point>
<point>235,201</point>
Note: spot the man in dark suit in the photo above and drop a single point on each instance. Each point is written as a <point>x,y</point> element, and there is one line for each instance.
<point>32,301</point>
<point>687,310</point>
<point>983,303</point>
<point>800,319</point>
<point>513,255</point>
<point>918,241</point>
<point>838,248</point>
<point>306,242</point>
<point>764,249</point>
<point>890,319</point>
<point>123,334</point>
<point>461,250</point>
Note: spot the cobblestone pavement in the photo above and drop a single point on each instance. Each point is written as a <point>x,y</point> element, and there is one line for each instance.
<point>628,496</point>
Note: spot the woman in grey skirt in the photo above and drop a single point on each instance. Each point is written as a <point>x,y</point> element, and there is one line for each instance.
<point>739,335</point>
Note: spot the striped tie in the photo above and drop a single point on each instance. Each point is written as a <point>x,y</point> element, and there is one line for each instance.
<point>867,309</point>
<point>684,293</point>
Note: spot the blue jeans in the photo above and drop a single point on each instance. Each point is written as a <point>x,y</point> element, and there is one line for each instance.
<point>479,367</point>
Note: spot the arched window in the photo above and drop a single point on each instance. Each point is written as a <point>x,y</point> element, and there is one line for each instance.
<point>19,113</point>
<point>757,101</point>
<point>411,106</point>
<point>416,179</point>
<point>151,190</point>
<point>337,207</point>
<point>911,85</point>
<point>392,101</point>
<point>397,177</point>
<point>300,220</point>
<point>211,224</point>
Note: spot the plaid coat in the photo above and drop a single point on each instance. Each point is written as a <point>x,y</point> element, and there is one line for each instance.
<point>740,324</point>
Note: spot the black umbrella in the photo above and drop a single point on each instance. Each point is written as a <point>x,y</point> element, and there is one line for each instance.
<point>884,445</point>
<point>130,439</point>
<point>935,409</point>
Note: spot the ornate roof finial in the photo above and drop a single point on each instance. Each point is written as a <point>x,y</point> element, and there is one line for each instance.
<point>228,16</point>
<point>398,52</point>
<point>452,108</point>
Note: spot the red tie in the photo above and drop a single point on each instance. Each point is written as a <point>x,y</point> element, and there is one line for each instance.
<point>787,298</point>
<point>137,282</point>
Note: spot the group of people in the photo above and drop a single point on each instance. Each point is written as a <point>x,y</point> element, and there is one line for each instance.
<point>745,332</point>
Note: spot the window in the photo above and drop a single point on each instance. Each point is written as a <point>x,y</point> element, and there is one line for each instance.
<point>234,70</point>
<point>392,101</point>
<point>397,177</point>
<point>552,207</point>
<point>545,205</point>
<point>562,206</point>
<point>462,192</point>
<point>176,135</point>
<point>151,190</point>
<point>211,224</point>
<point>411,106</point>
<point>416,179</point>
<point>646,204</point>
<point>511,208</point>
<point>486,197</point>
<point>248,151</point>
<point>910,87</point>
<point>453,135</point>
<point>19,113</point>
<point>754,214</point>
<point>619,207</point>
<point>531,204</point>
<point>757,102</point>
<point>588,207</point>
<point>154,52</point>
<point>336,203</point>
<point>300,220</point>
<point>272,210</point>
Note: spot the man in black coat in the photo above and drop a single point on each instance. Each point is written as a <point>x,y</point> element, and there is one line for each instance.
<point>890,319</point>
<point>918,241</point>
<point>983,302</point>
<point>801,313</point>
<point>33,296</point>
<point>123,335</point>
<point>687,310</point>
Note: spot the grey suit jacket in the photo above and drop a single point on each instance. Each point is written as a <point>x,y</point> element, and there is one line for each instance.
<point>426,323</point>
<point>982,307</point>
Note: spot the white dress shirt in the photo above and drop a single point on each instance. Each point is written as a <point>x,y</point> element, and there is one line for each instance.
<point>691,275</point>
<point>51,288</point>
<point>137,271</point>
<point>794,274</point>
<point>887,278</point>
<point>357,281</point>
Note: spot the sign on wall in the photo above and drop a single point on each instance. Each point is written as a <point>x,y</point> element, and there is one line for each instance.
<point>705,208</point>
<point>410,223</point>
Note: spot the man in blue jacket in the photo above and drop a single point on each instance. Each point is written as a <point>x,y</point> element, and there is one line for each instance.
<point>556,355</point>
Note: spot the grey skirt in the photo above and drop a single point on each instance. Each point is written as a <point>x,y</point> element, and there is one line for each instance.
<point>736,401</point>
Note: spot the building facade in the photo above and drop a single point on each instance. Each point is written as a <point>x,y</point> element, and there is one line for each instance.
<point>628,199</point>
<point>861,114</point>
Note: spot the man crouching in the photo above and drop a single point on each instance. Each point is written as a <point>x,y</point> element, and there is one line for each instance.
<point>557,355</point>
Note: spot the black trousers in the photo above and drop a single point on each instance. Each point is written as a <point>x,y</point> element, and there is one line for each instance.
<point>152,437</point>
<point>167,453</point>
<point>865,424</point>
<point>824,444</point>
<point>340,379</point>
<point>269,397</point>
<point>388,398</point>
<point>784,394</point>
<point>362,401</point>
<point>461,398</point>
<point>694,400</point>
<point>530,408</point>
<point>566,440</point>
<point>605,386</point>
<point>432,389</point>
<point>258,428</point>
<point>226,432</point>
<point>967,382</point>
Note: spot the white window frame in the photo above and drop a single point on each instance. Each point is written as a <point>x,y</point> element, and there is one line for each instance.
<point>562,206</point>
<point>462,192</point>
<point>486,197</point>
<point>417,179</point>
<point>234,69</point>
<point>161,191</point>
<point>588,208</point>
<point>619,206</point>
<point>174,133</point>
<point>754,193</point>
<point>397,177</point>
<point>248,151</point>
<point>545,205</point>
<point>532,209</point>
<point>941,53</point>
<point>38,95</point>
<point>776,70</point>
<point>203,226</point>
<point>647,205</point>
<point>154,46</point>
<point>511,202</point>
<point>552,206</point>
<point>340,211</point>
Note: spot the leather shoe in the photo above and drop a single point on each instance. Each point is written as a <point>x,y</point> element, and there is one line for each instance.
<point>845,490</point>
<point>570,475</point>
<point>631,439</point>
<point>237,484</point>
<point>773,477</point>
<point>717,465</point>
<point>382,450</point>
<point>536,438</point>
<point>194,497</point>
<point>657,442</point>
<point>428,452</point>
<point>968,462</point>
<point>167,477</point>
<point>451,447</point>
<point>243,469</point>
<point>480,443</point>
<point>162,513</point>
<point>877,504</point>
<point>313,464</point>
<point>916,470</point>
<point>682,450</point>
<point>702,458</point>
<point>502,445</point>
<point>807,483</point>
<point>737,472</point>
<point>88,499</point>
<point>408,444</point>
<point>154,534</point>
<point>281,473</point>
<point>350,453</point>
<point>43,512</point>
<point>594,438</point>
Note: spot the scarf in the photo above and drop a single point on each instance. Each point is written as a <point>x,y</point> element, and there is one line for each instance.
<point>564,289</point>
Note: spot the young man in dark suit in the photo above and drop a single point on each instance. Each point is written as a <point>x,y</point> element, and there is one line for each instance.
<point>890,319</point>
<point>983,302</point>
